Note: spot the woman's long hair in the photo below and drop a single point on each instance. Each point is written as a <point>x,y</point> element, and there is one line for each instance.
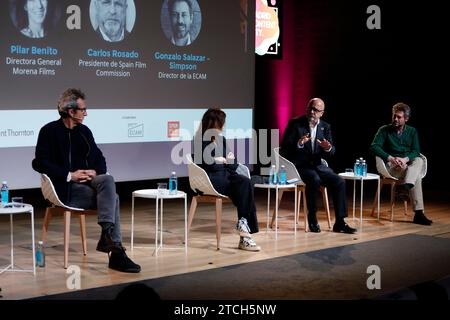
<point>213,118</point>
<point>213,121</point>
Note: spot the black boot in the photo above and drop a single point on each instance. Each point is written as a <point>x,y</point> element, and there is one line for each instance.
<point>119,261</point>
<point>420,218</point>
<point>106,243</point>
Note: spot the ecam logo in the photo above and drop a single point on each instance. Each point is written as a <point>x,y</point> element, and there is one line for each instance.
<point>135,130</point>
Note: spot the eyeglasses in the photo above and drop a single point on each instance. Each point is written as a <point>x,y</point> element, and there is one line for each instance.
<point>314,109</point>
<point>82,109</point>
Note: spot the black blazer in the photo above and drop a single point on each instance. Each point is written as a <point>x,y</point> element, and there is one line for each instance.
<point>53,156</point>
<point>301,157</point>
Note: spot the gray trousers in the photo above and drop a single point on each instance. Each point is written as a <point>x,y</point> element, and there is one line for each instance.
<point>412,174</point>
<point>99,193</point>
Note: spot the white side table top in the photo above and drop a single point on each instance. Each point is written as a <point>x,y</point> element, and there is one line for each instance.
<point>275,186</point>
<point>351,176</point>
<point>13,210</point>
<point>154,194</point>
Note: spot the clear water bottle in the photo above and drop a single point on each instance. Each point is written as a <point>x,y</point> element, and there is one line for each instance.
<point>361,166</point>
<point>40,255</point>
<point>273,177</point>
<point>364,168</point>
<point>5,193</point>
<point>283,175</point>
<point>173,183</point>
<point>356,168</point>
<point>361,173</point>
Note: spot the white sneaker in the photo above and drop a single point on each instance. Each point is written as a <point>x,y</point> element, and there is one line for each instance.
<point>242,228</point>
<point>248,244</point>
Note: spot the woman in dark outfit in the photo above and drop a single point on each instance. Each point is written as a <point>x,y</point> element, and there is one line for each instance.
<point>220,165</point>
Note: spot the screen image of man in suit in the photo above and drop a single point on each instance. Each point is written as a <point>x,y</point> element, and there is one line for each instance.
<point>111,18</point>
<point>307,139</point>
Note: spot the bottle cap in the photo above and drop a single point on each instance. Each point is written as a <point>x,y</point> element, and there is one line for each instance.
<point>41,242</point>
<point>173,172</point>
<point>273,166</point>
<point>5,182</point>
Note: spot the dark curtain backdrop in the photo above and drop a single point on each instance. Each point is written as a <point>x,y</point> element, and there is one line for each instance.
<point>329,52</point>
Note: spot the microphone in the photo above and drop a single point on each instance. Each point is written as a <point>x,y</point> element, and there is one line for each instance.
<point>76,118</point>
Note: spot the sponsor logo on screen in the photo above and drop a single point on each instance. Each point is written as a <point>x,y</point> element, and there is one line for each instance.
<point>173,129</point>
<point>135,130</point>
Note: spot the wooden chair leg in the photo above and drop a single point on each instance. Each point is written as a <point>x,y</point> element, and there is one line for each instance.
<point>280,195</point>
<point>48,216</point>
<point>305,211</point>
<point>327,205</point>
<point>392,200</point>
<point>305,208</point>
<point>83,232</point>
<point>392,185</point>
<point>375,201</point>
<point>218,221</point>
<point>66,238</point>
<point>192,211</point>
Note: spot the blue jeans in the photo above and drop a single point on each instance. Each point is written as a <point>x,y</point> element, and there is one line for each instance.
<point>99,193</point>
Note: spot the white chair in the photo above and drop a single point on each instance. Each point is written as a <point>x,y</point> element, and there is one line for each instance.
<point>49,193</point>
<point>292,173</point>
<point>387,178</point>
<point>205,192</point>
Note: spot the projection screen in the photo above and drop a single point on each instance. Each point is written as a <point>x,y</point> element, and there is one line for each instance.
<point>146,89</point>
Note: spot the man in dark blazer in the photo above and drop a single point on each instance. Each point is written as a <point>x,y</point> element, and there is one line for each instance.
<point>66,151</point>
<point>307,139</point>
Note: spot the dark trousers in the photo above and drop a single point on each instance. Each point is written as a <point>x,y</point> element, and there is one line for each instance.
<point>316,176</point>
<point>240,190</point>
<point>99,193</point>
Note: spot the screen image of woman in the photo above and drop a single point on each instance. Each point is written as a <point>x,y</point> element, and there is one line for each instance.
<point>33,18</point>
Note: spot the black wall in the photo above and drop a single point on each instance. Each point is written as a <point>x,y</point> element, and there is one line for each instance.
<point>361,73</point>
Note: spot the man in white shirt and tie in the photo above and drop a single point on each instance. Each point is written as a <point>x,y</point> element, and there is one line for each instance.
<point>307,139</point>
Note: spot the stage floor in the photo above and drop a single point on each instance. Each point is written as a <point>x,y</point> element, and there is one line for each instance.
<point>202,253</point>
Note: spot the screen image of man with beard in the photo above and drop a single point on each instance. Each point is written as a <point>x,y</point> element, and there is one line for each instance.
<point>184,18</point>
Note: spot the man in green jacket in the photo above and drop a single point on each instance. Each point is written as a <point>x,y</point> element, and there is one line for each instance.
<point>398,145</point>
